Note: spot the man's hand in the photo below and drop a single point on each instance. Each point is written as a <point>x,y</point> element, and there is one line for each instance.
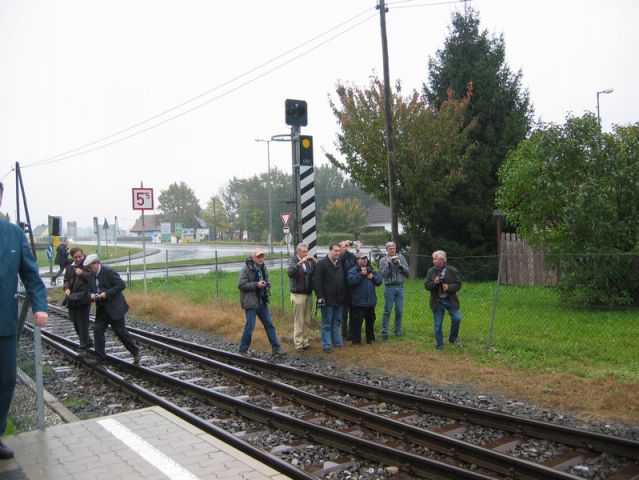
<point>261,284</point>
<point>67,292</point>
<point>41,318</point>
<point>445,287</point>
<point>436,280</point>
<point>102,296</point>
<point>79,271</point>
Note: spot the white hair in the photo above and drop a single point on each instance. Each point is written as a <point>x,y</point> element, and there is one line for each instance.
<point>440,254</point>
<point>300,246</point>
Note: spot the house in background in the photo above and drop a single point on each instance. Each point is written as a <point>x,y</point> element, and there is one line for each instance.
<point>151,227</point>
<point>379,218</point>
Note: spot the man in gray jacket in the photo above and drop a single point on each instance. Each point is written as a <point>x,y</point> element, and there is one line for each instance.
<point>255,287</point>
<point>394,270</point>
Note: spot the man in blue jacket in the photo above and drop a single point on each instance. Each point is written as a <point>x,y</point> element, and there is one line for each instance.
<point>363,279</point>
<point>16,260</point>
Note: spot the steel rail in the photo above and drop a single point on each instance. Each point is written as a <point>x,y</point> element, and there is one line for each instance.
<point>422,466</point>
<point>519,425</point>
<point>257,453</point>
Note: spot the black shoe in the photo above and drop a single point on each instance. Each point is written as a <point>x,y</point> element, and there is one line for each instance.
<point>278,351</point>
<point>5,452</point>
<point>328,350</point>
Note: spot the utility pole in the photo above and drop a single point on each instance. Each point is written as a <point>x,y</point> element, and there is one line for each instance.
<point>214,220</point>
<point>388,114</point>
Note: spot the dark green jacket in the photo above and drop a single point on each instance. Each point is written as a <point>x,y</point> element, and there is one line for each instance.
<point>451,278</point>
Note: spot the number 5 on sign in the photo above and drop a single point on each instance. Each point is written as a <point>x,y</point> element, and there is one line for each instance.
<point>142,198</point>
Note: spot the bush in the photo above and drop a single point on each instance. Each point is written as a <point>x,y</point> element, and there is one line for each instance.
<point>377,238</point>
<point>326,238</point>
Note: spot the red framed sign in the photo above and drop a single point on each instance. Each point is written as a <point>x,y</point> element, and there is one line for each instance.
<point>142,198</point>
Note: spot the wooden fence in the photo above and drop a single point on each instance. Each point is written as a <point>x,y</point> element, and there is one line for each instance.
<point>521,265</point>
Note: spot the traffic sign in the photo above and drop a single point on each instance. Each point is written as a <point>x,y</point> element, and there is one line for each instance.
<point>285,216</point>
<point>49,252</point>
<point>142,198</point>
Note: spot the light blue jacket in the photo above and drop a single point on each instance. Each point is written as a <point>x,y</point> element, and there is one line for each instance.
<point>16,259</point>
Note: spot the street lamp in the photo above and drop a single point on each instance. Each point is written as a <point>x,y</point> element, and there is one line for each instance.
<point>608,90</point>
<point>270,208</point>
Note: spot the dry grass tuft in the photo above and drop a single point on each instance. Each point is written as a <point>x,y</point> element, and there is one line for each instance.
<point>603,398</point>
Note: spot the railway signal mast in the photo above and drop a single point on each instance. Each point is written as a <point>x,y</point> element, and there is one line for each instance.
<point>303,175</point>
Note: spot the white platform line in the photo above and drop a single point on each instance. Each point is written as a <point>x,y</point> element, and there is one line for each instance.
<point>148,452</point>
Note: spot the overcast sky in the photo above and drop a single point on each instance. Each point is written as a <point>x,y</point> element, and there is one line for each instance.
<point>76,71</point>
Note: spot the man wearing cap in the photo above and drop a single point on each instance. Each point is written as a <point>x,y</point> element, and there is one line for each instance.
<point>16,259</point>
<point>300,276</point>
<point>106,288</point>
<point>443,281</point>
<point>394,270</point>
<point>255,288</point>
<point>363,279</point>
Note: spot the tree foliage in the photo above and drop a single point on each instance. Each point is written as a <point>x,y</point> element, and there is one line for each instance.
<point>503,112</point>
<point>215,215</point>
<point>574,189</point>
<point>178,203</point>
<point>331,184</point>
<point>432,148</point>
<point>347,215</point>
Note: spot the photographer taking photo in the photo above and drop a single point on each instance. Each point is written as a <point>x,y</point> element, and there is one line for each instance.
<point>363,279</point>
<point>394,270</point>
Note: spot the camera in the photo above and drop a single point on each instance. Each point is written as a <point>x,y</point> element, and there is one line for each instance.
<point>369,270</point>
<point>350,243</point>
<point>319,304</point>
<point>395,257</point>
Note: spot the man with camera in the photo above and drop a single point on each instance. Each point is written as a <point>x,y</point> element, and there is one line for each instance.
<point>443,281</point>
<point>330,290</point>
<point>394,270</point>
<point>255,289</point>
<point>348,261</point>
<point>300,276</point>
<point>77,298</point>
<point>363,279</point>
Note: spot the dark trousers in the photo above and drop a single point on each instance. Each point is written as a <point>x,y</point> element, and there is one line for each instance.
<point>79,316</point>
<point>102,321</point>
<point>347,315</point>
<point>59,273</point>
<point>359,315</point>
<point>8,352</point>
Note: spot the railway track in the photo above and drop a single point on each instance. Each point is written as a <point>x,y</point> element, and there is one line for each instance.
<point>411,435</point>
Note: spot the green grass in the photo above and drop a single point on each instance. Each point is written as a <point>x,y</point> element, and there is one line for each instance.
<point>533,329</point>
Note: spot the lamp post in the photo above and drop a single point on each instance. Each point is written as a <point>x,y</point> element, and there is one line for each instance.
<point>608,90</point>
<point>270,208</point>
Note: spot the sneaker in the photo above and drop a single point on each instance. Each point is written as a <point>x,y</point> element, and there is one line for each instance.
<point>137,357</point>
<point>306,347</point>
<point>244,353</point>
<point>278,351</point>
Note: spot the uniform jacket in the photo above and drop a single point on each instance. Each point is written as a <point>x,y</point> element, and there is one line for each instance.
<point>110,282</point>
<point>16,259</point>
<point>329,282</point>
<point>392,273</point>
<point>300,277</point>
<point>250,295</point>
<point>363,288</point>
<point>451,278</point>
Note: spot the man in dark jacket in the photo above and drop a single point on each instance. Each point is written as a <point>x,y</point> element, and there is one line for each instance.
<point>76,295</point>
<point>363,279</point>
<point>348,261</point>
<point>300,275</point>
<point>61,260</point>
<point>16,259</point>
<point>443,282</point>
<point>255,288</point>
<point>106,286</point>
<point>330,290</point>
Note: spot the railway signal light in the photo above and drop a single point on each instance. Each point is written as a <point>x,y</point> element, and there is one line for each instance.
<point>296,113</point>
<point>306,150</point>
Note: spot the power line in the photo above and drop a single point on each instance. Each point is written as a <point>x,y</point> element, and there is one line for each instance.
<point>422,4</point>
<point>69,153</point>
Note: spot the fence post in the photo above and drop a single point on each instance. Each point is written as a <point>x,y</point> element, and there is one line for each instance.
<point>492,316</point>
<point>39,388</point>
<point>166,256</point>
<point>217,278</point>
<point>282,279</point>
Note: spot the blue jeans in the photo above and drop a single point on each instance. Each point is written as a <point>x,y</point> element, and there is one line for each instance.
<point>264,315</point>
<point>438,319</point>
<point>331,319</point>
<point>393,294</point>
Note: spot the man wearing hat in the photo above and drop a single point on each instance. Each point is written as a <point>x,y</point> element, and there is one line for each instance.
<point>255,288</point>
<point>363,279</point>
<point>106,288</point>
<point>16,259</point>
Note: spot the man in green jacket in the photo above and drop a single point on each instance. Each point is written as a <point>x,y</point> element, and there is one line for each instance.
<point>16,260</point>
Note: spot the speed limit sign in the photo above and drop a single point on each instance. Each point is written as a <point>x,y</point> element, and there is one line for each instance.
<point>142,198</point>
